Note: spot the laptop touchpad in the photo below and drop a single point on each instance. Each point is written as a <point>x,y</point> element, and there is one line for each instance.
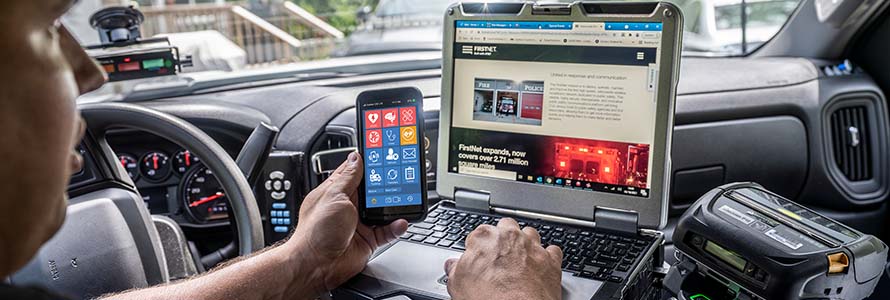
<point>412,265</point>
<point>423,268</point>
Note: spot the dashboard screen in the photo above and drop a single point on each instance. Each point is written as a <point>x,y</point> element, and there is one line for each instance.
<point>392,157</point>
<point>567,104</point>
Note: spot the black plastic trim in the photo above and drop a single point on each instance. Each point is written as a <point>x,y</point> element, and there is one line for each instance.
<point>867,191</point>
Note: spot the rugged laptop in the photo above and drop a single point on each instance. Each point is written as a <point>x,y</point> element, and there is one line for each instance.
<point>557,115</point>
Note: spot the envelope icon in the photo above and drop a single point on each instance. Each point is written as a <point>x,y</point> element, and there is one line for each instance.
<point>409,153</point>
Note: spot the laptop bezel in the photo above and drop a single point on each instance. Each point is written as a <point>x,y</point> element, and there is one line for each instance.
<point>560,201</point>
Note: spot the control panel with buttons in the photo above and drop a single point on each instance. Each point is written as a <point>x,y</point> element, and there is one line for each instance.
<point>282,192</point>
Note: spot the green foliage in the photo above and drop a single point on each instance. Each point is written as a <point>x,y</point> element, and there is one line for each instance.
<point>339,13</point>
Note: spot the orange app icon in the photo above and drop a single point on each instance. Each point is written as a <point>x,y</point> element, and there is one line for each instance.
<point>408,135</point>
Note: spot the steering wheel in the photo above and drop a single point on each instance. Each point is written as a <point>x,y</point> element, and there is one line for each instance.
<point>108,242</point>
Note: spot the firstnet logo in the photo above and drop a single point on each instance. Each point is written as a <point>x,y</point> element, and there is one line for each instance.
<point>478,50</point>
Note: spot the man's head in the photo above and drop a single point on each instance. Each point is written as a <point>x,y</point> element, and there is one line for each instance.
<point>46,70</point>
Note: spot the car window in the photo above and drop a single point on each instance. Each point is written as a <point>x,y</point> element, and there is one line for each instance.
<point>716,27</point>
<point>232,36</point>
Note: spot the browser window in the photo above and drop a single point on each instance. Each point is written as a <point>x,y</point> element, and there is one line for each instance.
<point>569,104</point>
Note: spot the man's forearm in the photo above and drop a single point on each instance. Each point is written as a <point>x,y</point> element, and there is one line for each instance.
<point>274,274</point>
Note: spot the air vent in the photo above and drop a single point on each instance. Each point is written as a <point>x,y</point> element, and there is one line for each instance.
<point>331,140</point>
<point>852,148</point>
<point>329,151</point>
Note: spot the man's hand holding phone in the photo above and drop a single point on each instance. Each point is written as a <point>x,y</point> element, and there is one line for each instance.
<point>390,126</point>
<point>336,244</point>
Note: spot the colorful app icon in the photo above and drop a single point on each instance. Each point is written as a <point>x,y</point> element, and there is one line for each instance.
<point>391,175</point>
<point>375,177</point>
<point>409,174</point>
<point>409,135</point>
<point>373,200</point>
<point>391,136</point>
<point>408,115</point>
<point>410,154</point>
<point>390,117</point>
<point>373,138</point>
<point>372,119</point>
<point>374,157</point>
<point>391,156</point>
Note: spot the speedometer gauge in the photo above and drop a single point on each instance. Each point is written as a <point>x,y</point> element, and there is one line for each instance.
<point>203,196</point>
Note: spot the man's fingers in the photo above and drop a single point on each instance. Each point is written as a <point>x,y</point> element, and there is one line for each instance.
<point>532,234</point>
<point>390,232</point>
<point>508,223</point>
<point>480,234</point>
<point>555,253</point>
<point>348,176</point>
<point>449,266</point>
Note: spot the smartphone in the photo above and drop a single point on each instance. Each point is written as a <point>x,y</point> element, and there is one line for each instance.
<point>390,132</point>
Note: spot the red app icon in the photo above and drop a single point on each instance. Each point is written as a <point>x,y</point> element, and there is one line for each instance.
<point>372,119</point>
<point>408,115</point>
<point>373,139</point>
<point>390,117</point>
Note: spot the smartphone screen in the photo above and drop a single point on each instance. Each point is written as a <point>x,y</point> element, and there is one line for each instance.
<point>390,124</point>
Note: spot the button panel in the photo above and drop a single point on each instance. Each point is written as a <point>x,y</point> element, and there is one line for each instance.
<point>281,194</point>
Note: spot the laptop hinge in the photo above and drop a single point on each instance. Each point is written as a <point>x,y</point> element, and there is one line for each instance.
<point>472,200</point>
<point>616,220</point>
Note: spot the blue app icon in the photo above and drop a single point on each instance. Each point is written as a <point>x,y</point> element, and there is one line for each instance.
<point>391,156</point>
<point>374,157</point>
<point>392,175</point>
<point>410,174</point>
<point>410,154</point>
<point>374,177</point>
<point>391,136</point>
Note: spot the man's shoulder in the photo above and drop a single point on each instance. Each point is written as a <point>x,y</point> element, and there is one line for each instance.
<point>15,293</point>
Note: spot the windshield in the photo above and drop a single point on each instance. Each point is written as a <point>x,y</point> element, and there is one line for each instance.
<point>387,8</point>
<point>225,36</point>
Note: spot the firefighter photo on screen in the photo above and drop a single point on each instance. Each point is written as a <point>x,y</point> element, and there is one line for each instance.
<point>507,101</point>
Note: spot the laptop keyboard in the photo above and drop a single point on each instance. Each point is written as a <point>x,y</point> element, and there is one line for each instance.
<point>587,253</point>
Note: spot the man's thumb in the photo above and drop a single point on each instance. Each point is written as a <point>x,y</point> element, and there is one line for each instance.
<point>449,266</point>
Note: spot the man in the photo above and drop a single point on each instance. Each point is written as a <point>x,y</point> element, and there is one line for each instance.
<point>46,70</point>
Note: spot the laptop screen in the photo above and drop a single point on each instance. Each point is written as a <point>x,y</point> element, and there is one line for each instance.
<point>567,104</point>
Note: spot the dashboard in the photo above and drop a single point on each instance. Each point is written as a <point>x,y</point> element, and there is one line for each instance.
<point>772,114</point>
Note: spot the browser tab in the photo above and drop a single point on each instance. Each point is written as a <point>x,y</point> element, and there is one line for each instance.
<point>611,34</point>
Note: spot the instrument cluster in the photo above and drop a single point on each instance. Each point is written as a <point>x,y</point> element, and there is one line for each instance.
<point>172,181</point>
